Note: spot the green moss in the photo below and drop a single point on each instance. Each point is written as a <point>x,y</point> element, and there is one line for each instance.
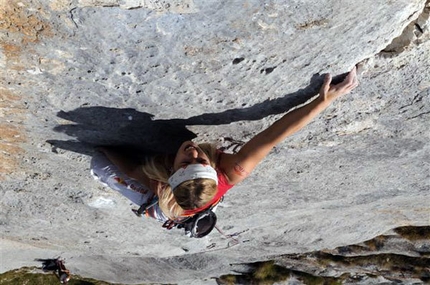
<point>28,276</point>
<point>22,276</point>
<point>228,279</point>
<point>265,270</point>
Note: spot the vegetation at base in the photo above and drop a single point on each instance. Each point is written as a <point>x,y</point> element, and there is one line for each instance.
<point>267,273</point>
<point>30,276</point>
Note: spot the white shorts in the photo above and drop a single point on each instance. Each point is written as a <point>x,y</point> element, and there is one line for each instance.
<point>103,170</point>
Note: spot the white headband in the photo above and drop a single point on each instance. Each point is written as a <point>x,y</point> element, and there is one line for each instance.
<point>192,171</point>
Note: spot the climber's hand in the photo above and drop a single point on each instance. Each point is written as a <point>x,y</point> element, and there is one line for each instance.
<point>331,92</point>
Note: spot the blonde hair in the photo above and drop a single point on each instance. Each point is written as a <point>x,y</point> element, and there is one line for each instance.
<point>188,195</point>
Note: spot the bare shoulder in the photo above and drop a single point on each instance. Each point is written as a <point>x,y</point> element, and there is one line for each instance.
<point>234,170</point>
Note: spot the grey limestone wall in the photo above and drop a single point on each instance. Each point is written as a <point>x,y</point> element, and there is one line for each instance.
<point>80,73</point>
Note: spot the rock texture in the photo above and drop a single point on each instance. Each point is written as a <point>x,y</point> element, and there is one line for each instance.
<point>400,256</point>
<point>79,73</point>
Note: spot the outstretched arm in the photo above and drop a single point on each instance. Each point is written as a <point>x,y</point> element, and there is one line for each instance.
<point>238,166</point>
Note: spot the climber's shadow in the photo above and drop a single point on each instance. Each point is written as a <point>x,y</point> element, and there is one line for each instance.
<point>94,126</point>
<point>128,128</point>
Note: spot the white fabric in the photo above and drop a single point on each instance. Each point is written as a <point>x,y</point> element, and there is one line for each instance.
<point>108,174</point>
<point>191,172</point>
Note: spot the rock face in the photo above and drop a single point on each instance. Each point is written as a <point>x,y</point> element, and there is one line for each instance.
<point>152,73</point>
<point>400,256</point>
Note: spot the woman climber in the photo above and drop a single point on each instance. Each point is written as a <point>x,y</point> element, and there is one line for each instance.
<point>176,187</point>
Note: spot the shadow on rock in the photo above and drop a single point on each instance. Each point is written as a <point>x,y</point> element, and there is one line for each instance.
<point>131,129</point>
<point>57,267</point>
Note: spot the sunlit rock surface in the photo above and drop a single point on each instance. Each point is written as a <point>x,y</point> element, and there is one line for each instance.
<point>152,73</point>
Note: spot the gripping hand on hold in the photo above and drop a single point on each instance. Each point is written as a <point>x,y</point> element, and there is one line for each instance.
<point>330,92</point>
<point>238,166</point>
